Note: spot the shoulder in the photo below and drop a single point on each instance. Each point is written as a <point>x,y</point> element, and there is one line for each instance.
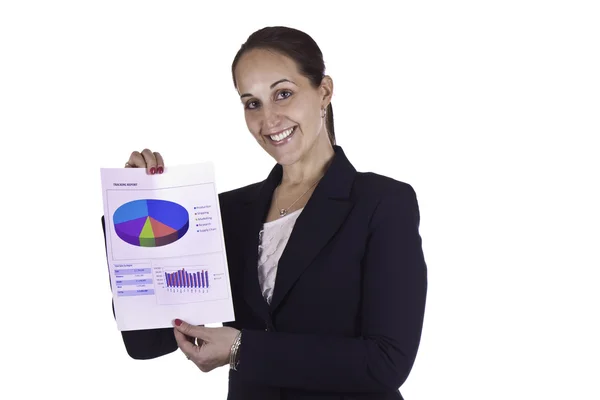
<point>241,194</point>
<point>232,205</point>
<point>377,187</point>
<point>231,201</point>
<point>388,200</point>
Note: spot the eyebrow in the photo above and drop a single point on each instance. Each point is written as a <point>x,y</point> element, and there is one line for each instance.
<point>272,86</point>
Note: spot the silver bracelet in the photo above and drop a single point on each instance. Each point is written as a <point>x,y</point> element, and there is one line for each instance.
<point>233,355</point>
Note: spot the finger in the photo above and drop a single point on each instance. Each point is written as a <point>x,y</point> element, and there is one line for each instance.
<point>200,332</point>
<point>160,164</point>
<point>186,346</point>
<point>191,339</point>
<point>136,160</point>
<point>150,161</point>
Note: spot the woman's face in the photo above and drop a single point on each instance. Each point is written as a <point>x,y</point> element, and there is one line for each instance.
<point>282,109</point>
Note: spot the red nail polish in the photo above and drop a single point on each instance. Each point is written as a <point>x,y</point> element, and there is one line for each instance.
<point>177,322</point>
<point>152,170</point>
<point>160,170</point>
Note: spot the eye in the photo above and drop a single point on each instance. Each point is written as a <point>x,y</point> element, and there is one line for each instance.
<point>251,105</point>
<point>285,94</point>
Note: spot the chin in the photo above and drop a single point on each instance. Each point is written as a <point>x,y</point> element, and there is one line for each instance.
<point>287,160</point>
<point>286,157</point>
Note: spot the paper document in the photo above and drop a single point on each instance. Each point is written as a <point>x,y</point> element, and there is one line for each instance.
<point>165,247</point>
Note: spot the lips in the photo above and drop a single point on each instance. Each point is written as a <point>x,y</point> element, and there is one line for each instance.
<point>281,136</point>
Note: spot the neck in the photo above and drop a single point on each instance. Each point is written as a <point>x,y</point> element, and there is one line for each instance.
<point>311,167</point>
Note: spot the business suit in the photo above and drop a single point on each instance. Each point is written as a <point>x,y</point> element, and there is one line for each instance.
<point>347,310</point>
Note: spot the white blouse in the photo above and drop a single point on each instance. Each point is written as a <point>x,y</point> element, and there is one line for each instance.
<point>272,241</point>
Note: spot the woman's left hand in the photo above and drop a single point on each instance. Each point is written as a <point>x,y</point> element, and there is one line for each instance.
<point>214,344</point>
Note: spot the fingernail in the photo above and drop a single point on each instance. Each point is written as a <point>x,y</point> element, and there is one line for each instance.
<point>177,322</point>
<point>160,170</point>
<point>152,170</point>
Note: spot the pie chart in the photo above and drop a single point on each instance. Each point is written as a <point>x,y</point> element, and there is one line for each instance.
<point>151,222</point>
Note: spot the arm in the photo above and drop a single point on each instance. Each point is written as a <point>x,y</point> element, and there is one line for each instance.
<point>394,293</point>
<point>146,344</point>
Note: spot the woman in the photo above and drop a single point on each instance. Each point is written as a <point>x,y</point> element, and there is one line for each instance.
<point>327,271</point>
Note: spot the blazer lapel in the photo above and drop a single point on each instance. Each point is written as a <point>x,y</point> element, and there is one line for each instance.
<point>321,218</point>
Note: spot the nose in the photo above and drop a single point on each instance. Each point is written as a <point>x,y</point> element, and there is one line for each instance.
<point>271,118</point>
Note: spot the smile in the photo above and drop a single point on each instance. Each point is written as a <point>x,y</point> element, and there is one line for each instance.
<point>280,137</point>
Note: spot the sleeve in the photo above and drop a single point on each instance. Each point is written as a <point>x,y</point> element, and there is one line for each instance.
<point>146,344</point>
<point>394,296</point>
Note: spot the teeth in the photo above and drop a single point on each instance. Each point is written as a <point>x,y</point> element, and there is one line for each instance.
<point>282,135</point>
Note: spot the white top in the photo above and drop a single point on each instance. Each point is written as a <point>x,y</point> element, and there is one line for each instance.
<point>272,241</point>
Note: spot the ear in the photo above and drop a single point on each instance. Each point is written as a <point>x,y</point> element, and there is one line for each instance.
<point>326,91</point>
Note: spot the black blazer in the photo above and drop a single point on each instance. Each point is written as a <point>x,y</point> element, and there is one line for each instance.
<point>347,311</point>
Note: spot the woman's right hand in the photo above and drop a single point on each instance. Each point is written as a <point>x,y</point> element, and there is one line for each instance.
<point>152,161</point>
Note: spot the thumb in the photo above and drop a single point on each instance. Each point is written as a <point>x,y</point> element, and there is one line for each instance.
<point>199,332</point>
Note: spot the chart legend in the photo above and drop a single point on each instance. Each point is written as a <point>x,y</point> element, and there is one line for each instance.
<point>150,222</point>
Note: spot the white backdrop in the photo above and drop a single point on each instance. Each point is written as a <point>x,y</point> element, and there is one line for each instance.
<point>489,109</point>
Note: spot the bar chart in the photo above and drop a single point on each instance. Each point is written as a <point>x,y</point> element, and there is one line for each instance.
<point>183,278</point>
<point>187,284</point>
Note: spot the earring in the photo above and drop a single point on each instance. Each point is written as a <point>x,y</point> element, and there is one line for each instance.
<point>323,113</point>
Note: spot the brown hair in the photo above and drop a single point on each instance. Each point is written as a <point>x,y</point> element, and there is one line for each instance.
<point>296,45</point>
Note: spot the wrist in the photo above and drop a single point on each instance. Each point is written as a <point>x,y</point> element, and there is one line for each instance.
<point>234,354</point>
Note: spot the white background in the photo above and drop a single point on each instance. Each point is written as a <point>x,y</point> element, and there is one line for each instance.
<point>489,109</point>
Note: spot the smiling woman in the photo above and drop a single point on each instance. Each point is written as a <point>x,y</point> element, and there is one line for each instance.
<point>303,58</point>
<point>327,271</point>
<point>284,109</point>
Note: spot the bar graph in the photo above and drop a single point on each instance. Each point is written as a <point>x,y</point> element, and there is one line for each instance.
<point>187,279</point>
<point>184,284</point>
